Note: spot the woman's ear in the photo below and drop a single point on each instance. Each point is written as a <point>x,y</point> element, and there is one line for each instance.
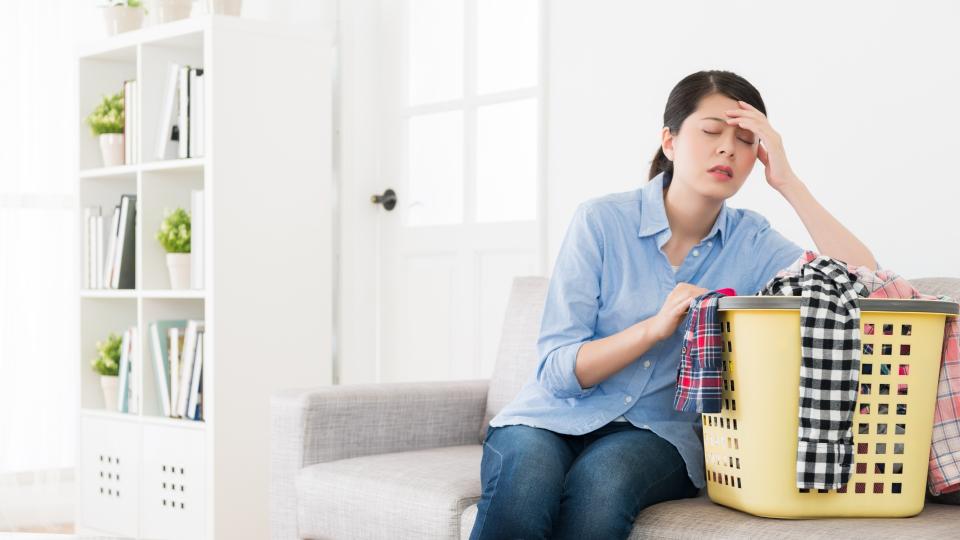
<point>666,142</point>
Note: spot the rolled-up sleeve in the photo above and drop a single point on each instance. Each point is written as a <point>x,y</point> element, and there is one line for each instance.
<point>774,252</point>
<point>571,307</point>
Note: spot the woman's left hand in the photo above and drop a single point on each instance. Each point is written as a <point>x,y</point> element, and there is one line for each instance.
<point>770,147</point>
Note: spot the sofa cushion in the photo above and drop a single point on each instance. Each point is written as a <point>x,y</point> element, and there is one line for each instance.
<point>699,518</point>
<point>418,494</point>
<point>517,353</point>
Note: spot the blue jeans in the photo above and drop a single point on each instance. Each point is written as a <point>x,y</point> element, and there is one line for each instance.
<point>541,484</point>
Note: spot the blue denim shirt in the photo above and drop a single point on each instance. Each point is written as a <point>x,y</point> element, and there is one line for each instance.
<point>611,273</point>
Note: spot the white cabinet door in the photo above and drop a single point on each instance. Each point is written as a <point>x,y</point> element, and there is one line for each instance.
<point>172,503</point>
<point>109,455</point>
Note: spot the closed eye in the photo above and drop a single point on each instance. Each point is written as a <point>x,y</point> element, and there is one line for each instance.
<point>717,133</point>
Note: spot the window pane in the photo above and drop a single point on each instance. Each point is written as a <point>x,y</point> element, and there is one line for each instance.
<point>507,44</point>
<point>507,161</point>
<point>435,169</point>
<point>435,50</point>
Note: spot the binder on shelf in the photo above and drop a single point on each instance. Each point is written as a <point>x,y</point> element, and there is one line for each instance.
<point>187,359</point>
<point>183,112</point>
<point>111,247</point>
<point>123,275</point>
<point>193,405</point>
<point>168,114</point>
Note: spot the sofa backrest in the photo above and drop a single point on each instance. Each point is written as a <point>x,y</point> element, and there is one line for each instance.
<point>517,353</point>
<point>949,286</point>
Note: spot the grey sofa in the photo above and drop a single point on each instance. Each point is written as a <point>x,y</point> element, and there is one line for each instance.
<point>402,460</point>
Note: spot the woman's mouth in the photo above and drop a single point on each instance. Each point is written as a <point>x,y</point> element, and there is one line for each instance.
<point>721,172</point>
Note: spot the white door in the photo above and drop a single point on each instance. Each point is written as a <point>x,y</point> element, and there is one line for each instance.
<point>460,148</point>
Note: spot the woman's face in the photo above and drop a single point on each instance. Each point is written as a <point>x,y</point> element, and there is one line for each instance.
<point>706,140</point>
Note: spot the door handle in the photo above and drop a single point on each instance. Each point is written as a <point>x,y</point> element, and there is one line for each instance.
<point>388,199</point>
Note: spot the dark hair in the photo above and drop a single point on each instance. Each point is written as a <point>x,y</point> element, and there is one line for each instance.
<point>686,96</point>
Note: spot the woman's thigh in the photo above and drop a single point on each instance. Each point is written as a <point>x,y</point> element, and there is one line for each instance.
<point>614,478</point>
<point>522,473</point>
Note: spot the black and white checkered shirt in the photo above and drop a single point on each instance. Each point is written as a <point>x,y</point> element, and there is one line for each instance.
<point>829,367</point>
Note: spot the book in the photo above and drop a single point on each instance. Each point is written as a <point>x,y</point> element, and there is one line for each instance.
<point>123,372</point>
<point>85,278</point>
<point>98,251</point>
<point>133,402</point>
<point>111,247</point>
<point>161,361</point>
<point>167,120</point>
<point>187,359</point>
<point>195,380</point>
<point>173,351</point>
<point>196,238</point>
<point>183,112</point>
<point>123,276</point>
<point>195,121</point>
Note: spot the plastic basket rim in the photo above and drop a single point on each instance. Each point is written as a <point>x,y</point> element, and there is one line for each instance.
<point>866,304</point>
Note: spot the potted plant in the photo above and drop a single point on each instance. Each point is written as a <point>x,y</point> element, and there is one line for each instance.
<point>122,15</point>
<point>106,122</point>
<point>174,236</point>
<point>170,10</point>
<point>107,364</point>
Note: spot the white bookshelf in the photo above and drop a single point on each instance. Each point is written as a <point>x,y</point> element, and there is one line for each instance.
<point>267,300</point>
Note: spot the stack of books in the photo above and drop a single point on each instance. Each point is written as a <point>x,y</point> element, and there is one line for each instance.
<point>108,261</point>
<point>182,113</point>
<point>177,347</point>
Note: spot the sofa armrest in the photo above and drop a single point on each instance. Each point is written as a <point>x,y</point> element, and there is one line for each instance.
<point>317,425</point>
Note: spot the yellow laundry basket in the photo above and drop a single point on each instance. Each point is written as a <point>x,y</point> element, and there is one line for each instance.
<point>751,445</point>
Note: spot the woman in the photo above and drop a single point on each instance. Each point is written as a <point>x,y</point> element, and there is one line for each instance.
<point>592,438</point>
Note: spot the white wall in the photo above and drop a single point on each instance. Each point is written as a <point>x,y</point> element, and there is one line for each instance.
<point>864,94</point>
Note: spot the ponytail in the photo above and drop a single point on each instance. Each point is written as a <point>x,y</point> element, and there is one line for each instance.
<point>660,163</point>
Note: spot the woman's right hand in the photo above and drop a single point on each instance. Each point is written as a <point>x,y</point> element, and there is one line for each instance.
<point>675,307</point>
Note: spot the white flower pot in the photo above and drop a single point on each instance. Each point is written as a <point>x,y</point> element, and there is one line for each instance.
<point>223,7</point>
<point>111,148</point>
<point>178,264</point>
<point>163,11</point>
<point>109,385</point>
<point>122,18</point>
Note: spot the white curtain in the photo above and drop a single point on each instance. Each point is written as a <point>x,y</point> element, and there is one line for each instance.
<point>39,361</point>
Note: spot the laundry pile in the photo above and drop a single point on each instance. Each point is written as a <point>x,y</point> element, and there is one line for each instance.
<point>829,370</point>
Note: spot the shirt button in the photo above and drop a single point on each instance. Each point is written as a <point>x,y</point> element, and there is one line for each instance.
<point>627,399</point>
<point>645,426</point>
<point>646,363</point>
<point>709,244</point>
<point>696,253</point>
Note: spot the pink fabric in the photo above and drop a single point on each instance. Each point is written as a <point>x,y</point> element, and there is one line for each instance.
<point>944,474</point>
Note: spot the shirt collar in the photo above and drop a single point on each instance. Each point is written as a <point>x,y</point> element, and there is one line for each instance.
<point>653,216</point>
